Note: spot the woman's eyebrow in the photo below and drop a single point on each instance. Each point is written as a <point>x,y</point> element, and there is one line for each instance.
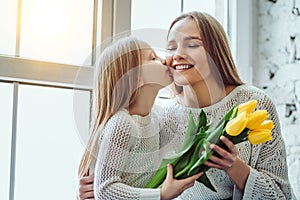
<point>192,38</point>
<point>186,39</point>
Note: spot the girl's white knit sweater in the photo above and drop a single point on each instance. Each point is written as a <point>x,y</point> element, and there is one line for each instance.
<point>127,157</point>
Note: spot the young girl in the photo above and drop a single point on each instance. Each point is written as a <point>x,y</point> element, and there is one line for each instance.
<point>124,144</point>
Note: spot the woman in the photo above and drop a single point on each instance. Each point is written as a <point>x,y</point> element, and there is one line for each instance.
<point>123,147</point>
<point>205,77</point>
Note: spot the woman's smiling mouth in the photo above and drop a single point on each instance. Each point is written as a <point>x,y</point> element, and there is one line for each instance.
<point>183,67</point>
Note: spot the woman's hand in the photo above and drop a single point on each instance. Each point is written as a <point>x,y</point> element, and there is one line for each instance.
<point>172,188</point>
<point>229,161</point>
<point>86,188</point>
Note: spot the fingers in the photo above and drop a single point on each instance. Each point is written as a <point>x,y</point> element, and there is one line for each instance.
<point>196,176</point>
<point>191,180</point>
<point>227,157</point>
<point>86,179</point>
<point>230,145</point>
<point>169,171</point>
<point>87,195</point>
<point>86,187</point>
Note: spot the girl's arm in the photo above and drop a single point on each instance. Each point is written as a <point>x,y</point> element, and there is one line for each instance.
<point>116,162</point>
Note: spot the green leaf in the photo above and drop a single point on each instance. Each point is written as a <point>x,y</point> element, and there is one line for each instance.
<point>202,120</point>
<point>193,159</point>
<point>190,133</point>
<point>157,178</point>
<point>183,162</point>
<point>205,152</point>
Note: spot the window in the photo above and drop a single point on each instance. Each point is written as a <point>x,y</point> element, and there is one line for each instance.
<point>6,109</point>
<point>159,14</point>
<point>48,30</point>
<point>49,142</point>
<point>8,10</point>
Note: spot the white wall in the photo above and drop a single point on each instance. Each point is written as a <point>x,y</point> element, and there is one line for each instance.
<point>277,71</point>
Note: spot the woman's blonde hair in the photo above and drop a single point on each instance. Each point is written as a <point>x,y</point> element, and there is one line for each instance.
<point>216,45</point>
<point>115,87</point>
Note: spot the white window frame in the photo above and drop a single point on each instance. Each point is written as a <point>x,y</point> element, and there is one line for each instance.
<point>243,23</point>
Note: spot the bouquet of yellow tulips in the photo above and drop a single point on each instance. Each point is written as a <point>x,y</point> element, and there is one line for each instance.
<point>241,123</point>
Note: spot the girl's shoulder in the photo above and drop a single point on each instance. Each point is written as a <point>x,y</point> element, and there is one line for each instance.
<point>119,121</point>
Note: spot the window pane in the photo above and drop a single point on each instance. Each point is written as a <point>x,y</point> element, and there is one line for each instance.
<point>199,5</point>
<point>57,30</point>
<point>216,8</point>
<point>8,24</point>
<point>6,96</point>
<point>48,145</point>
<point>153,13</point>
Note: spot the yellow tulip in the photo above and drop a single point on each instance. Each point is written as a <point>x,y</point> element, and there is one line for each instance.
<point>258,136</point>
<point>267,124</point>
<point>248,106</point>
<point>256,118</point>
<point>235,126</point>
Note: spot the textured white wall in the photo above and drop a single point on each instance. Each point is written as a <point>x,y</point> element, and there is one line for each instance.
<point>278,72</point>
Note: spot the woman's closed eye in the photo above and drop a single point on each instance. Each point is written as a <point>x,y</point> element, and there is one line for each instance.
<point>193,45</point>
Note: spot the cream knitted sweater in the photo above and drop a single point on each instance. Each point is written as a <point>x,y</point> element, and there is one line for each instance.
<point>128,157</point>
<point>268,177</point>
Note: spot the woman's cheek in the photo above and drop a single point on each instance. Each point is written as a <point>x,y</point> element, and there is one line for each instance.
<point>169,60</point>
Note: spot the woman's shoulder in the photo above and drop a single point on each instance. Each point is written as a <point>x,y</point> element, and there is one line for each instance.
<point>247,92</point>
<point>251,89</point>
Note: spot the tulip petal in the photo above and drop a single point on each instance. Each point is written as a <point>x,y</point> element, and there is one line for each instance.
<point>248,106</point>
<point>259,136</point>
<point>267,124</point>
<point>257,118</point>
<point>235,126</point>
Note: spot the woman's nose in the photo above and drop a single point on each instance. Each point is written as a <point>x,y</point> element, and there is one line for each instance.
<point>179,54</point>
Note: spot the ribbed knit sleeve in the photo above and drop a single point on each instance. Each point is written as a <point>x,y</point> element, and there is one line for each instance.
<point>126,160</point>
<point>268,177</point>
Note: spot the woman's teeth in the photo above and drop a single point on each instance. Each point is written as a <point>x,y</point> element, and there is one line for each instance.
<point>181,67</point>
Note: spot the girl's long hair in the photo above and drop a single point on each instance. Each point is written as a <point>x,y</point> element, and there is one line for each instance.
<point>216,44</point>
<point>115,87</point>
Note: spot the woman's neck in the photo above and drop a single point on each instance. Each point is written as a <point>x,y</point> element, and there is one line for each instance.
<point>203,94</point>
<point>144,101</point>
